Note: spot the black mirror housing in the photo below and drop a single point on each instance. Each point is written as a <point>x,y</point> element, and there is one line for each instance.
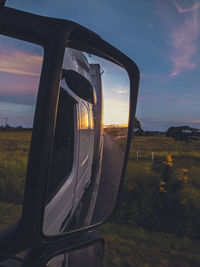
<point>54,35</point>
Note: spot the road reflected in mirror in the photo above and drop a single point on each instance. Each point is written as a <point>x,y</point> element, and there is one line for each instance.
<point>89,146</point>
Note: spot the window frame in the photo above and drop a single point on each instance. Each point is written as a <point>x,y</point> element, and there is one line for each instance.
<point>67,175</point>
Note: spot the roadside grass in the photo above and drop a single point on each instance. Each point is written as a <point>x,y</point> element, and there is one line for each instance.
<point>157,222</point>
<point>14,150</point>
<point>132,246</point>
<point>10,214</point>
<point>136,235</point>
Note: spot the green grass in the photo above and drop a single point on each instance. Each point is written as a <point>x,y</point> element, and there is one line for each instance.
<point>140,233</point>
<point>14,149</point>
<point>132,246</point>
<point>158,220</point>
<point>10,214</point>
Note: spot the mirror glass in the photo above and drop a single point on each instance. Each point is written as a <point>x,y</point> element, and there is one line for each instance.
<point>88,148</point>
<point>89,256</point>
<point>20,67</point>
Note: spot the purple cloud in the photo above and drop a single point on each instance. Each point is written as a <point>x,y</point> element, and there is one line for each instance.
<point>181,10</point>
<point>21,63</point>
<point>184,39</point>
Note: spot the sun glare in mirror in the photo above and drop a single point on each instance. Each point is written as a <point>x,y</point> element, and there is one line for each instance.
<point>115,84</point>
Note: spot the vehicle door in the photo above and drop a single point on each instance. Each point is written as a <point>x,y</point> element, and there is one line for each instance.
<point>63,170</point>
<point>86,148</point>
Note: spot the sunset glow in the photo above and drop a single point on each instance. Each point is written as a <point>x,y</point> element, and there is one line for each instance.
<point>115,112</point>
<point>164,42</point>
<point>19,62</point>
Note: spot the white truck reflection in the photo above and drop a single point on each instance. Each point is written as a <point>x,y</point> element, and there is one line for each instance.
<point>76,151</point>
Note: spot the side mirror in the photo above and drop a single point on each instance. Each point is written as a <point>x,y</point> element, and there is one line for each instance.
<point>77,158</point>
<point>89,144</point>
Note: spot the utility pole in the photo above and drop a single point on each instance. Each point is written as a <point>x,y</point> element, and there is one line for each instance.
<point>152,155</point>
<point>6,119</point>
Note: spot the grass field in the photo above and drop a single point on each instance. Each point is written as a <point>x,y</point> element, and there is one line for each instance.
<point>14,149</point>
<point>158,221</point>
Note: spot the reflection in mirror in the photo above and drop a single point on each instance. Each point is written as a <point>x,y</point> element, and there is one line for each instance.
<point>88,147</point>
<point>20,67</point>
<point>89,256</point>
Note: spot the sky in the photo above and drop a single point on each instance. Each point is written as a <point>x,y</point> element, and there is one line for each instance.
<point>115,87</point>
<point>161,36</point>
<point>20,68</point>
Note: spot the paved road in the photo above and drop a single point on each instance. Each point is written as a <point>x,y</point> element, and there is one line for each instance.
<point>110,179</point>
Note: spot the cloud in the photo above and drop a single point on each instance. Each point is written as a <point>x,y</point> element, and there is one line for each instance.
<point>184,39</point>
<point>19,75</point>
<point>14,71</point>
<point>20,63</point>
<point>121,91</point>
<point>181,10</point>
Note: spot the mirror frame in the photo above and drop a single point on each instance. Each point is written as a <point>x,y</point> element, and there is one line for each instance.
<point>43,255</point>
<point>54,35</point>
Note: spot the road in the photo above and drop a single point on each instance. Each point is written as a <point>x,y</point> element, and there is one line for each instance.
<point>110,178</point>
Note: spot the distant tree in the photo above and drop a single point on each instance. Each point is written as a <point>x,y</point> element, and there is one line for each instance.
<point>7,127</point>
<point>182,133</point>
<point>138,131</point>
<point>19,128</point>
<point>2,128</point>
<point>137,124</point>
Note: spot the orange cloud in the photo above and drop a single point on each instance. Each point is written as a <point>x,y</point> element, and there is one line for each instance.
<point>21,63</point>
<point>122,91</point>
